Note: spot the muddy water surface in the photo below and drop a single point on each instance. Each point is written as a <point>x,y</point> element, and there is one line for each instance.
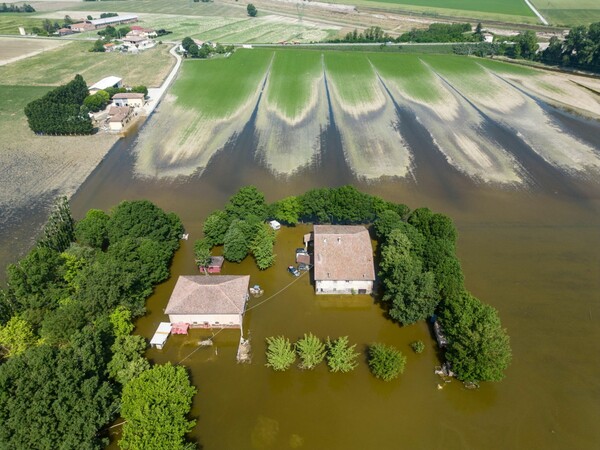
<point>533,253</point>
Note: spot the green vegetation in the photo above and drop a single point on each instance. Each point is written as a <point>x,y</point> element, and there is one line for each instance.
<point>25,8</point>
<point>386,362</point>
<point>262,246</point>
<point>569,12</point>
<point>60,112</point>
<point>291,80</point>
<point>65,324</point>
<point>311,351</point>
<point>353,77</point>
<point>280,354</point>
<point>340,356</point>
<point>437,32</point>
<point>217,90</point>
<point>251,9</point>
<point>580,49</point>
<point>57,66</point>
<point>417,346</point>
<point>155,406</point>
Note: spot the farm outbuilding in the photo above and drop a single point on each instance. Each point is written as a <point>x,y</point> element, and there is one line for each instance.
<point>343,260</point>
<point>137,100</point>
<point>217,301</point>
<point>104,83</point>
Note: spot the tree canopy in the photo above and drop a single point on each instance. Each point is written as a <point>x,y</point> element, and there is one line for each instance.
<point>155,406</point>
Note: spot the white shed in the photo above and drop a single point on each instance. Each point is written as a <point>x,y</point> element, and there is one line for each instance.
<point>104,83</point>
<point>214,301</point>
<point>161,335</point>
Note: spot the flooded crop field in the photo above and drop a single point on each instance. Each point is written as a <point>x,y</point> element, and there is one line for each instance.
<point>518,176</point>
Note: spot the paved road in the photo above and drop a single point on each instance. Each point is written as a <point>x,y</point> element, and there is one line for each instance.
<point>156,94</point>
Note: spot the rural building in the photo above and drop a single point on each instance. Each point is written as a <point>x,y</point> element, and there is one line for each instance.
<point>488,37</point>
<point>104,83</point>
<point>82,27</point>
<point>343,260</point>
<point>129,99</point>
<point>117,20</point>
<point>64,31</point>
<point>214,266</point>
<point>216,301</point>
<point>136,30</point>
<point>118,117</point>
<point>160,336</point>
<point>109,47</point>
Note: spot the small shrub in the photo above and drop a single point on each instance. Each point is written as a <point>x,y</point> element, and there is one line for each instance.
<point>340,356</point>
<point>386,362</point>
<point>311,351</point>
<point>417,346</point>
<point>280,355</point>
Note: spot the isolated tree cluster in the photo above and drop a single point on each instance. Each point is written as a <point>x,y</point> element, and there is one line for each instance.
<point>60,111</point>
<point>66,321</point>
<point>311,351</point>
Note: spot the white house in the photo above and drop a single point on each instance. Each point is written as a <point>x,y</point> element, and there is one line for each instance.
<point>343,260</point>
<point>214,301</point>
<point>104,83</point>
<point>137,100</point>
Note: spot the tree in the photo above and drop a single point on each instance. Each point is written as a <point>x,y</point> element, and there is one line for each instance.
<point>92,230</point>
<point>478,346</point>
<point>340,356</point>
<point>410,291</point>
<point>141,89</point>
<point>311,351</point>
<point>120,320</point>
<point>248,201</point>
<point>165,390</point>
<point>280,355</point>
<point>194,51</point>
<point>127,361</point>
<point>262,247</point>
<point>252,11</point>
<point>236,244</point>
<point>59,230</point>
<point>98,46</point>
<point>385,361</point>
<point>16,337</point>
<point>287,210</point>
<point>95,102</point>
<point>526,45</point>
<point>186,43</point>
<point>56,397</point>
<point>202,252</point>
<point>215,227</point>
<point>417,346</point>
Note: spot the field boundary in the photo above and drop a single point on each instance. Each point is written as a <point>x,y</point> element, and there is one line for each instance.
<point>536,12</point>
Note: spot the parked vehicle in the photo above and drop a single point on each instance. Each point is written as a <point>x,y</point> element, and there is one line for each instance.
<point>293,271</point>
<point>303,267</point>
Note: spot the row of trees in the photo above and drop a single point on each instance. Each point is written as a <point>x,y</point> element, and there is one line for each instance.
<point>60,111</point>
<point>11,7</point>
<point>65,333</point>
<point>437,32</point>
<point>385,361</point>
<point>205,50</point>
<point>579,49</point>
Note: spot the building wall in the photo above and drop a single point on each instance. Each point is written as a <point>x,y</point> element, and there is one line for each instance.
<point>208,320</point>
<point>115,126</point>
<point>343,287</point>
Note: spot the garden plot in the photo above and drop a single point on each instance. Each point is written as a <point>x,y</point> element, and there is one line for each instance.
<point>293,112</point>
<point>365,117</point>
<point>503,102</point>
<point>211,103</point>
<point>454,125</point>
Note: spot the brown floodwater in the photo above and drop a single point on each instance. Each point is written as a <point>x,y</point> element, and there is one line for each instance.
<point>532,253</point>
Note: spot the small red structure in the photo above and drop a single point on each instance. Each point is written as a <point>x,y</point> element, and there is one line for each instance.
<point>216,262</point>
<point>180,328</point>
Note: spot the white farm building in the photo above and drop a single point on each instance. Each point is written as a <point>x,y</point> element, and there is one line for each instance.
<point>343,260</point>
<point>209,301</point>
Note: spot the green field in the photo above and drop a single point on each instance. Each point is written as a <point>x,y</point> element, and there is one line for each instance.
<point>219,87</point>
<point>569,12</point>
<point>291,80</point>
<point>171,7</point>
<point>352,75</point>
<point>60,65</point>
<point>10,22</point>
<point>12,101</point>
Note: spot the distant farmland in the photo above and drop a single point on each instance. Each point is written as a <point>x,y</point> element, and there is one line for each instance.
<point>297,95</point>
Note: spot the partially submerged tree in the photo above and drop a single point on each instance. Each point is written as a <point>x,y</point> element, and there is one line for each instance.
<point>280,354</point>
<point>385,361</point>
<point>155,406</point>
<point>262,247</point>
<point>340,356</point>
<point>311,351</point>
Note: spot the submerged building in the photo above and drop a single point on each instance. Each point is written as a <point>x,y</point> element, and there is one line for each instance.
<point>343,260</point>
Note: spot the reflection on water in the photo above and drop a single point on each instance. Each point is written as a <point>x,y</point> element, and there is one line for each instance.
<point>534,254</point>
